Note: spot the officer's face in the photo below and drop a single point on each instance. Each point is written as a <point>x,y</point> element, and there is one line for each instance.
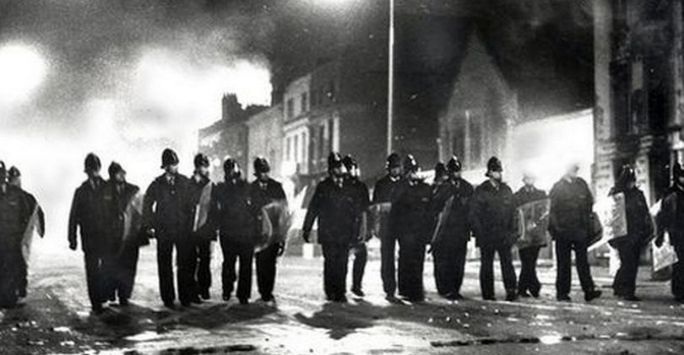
<point>262,176</point>
<point>528,181</point>
<point>496,175</point>
<point>354,172</point>
<point>120,177</point>
<point>93,173</point>
<point>172,169</point>
<point>203,170</point>
<point>395,171</point>
<point>339,172</point>
<point>15,181</point>
<point>573,170</point>
<point>455,174</point>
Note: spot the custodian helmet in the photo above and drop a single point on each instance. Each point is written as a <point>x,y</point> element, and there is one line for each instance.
<point>169,158</point>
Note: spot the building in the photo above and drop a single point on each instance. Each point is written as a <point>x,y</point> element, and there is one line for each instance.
<point>480,112</point>
<point>295,125</point>
<point>228,136</point>
<point>639,89</point>
<point>265,139</point>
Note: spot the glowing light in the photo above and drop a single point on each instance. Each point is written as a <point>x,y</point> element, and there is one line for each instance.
<point>22,70</point>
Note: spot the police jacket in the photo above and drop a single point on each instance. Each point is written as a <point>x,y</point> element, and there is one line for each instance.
<point>359,192</point>
<point>457,226</point>
<point>333,206</point>
<point>266,192</point>
<point>571,209</point>
<point>233,213</point>
<point>167,206</point>
<point>15,212</point>
<point>492,215</point>
<point>383,189</point>
<point>410,217</point>
<point>87,215</point>
<point>116,198</point>
<point>671,216</point>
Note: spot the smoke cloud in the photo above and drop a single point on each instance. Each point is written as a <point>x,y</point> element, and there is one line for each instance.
<point>122,78</point>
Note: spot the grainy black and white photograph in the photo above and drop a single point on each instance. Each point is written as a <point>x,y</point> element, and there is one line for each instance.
<point>342,177</point>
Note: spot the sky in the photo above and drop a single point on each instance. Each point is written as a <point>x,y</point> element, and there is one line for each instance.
<point>121,78</point>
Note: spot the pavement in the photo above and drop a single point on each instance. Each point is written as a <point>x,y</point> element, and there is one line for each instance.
<point>56,318</point>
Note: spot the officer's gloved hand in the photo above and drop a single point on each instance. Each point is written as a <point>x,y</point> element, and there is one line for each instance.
<point>659,241</point>
<point>73,245</point>
<point>281,248</point>
<point>306,235</point>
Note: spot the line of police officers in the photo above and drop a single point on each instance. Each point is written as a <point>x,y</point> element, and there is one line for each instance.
<point>487,213</point>
<point>187,214</point>
<point>182,214</point>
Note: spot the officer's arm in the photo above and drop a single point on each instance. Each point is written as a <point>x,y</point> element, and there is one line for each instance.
<point>74,221</point>
<point>148,204</point>
<point>312,212</point>
<point>473,214</point>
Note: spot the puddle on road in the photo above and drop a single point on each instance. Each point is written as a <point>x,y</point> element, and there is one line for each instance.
<point>553,339</point>
<point>144,336</point>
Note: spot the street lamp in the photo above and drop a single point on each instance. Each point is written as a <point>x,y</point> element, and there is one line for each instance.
<point>390,80</point>
<point>390,71</point>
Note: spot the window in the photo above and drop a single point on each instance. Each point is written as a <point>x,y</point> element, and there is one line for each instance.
<point>290,109</point>
<point>296,148</point>
<point>288,149</point>
<point>305,102</point>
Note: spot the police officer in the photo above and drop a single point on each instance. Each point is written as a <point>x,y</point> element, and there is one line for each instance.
<point>359,250</point>
<point>14,216</point>
<point>410,223</point>
<point>202,236</point>
<point>671,220</point>
<point>167,211</point>
<point>639,232</point>
<point>123,241</point>
<point>87,215</point>
<point>528,282</point>
<point>492,219</point>
<point>569,225</point>
<point>37,223</point>
<point>333,205</point>
<point>382,193</point>
<point>234,214</point>
<point>451,246</point>
<point>264,191</point>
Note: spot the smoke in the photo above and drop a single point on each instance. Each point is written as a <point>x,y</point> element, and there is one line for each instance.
<point>123,79</point>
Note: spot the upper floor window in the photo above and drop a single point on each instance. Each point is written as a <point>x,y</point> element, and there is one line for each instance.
<point>290,109</point>
<point>304,102</point>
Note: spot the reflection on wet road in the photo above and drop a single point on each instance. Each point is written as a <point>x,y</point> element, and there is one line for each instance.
<point>56,318</point>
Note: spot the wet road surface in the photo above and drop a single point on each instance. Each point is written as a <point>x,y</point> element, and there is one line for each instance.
<point>56,318</point>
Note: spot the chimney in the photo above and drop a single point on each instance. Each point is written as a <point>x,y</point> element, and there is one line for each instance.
<point>231,109</point>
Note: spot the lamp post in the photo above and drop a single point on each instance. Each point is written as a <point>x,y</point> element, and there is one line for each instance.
<point>390,81</point>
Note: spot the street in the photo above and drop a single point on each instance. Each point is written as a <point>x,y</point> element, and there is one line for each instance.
<point>56,318</point>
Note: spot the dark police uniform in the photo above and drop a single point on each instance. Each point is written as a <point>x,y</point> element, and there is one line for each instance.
<point>410,222</point>
<point>121,260</point>
<point>382,193</point>
<point>450,248</point>
<point>629,247</point>
<point>528,280</point>
<point>333,205</point>
<point>15,213</point>
<point>264,193</point>
<point>201,260</point>
<point>171,219</point>
<point>235,216</point>
<point>492,219</point>
<point>671,220</point>
<point>569,225</point>
<point>87,214</point>
<point>359,191</point>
